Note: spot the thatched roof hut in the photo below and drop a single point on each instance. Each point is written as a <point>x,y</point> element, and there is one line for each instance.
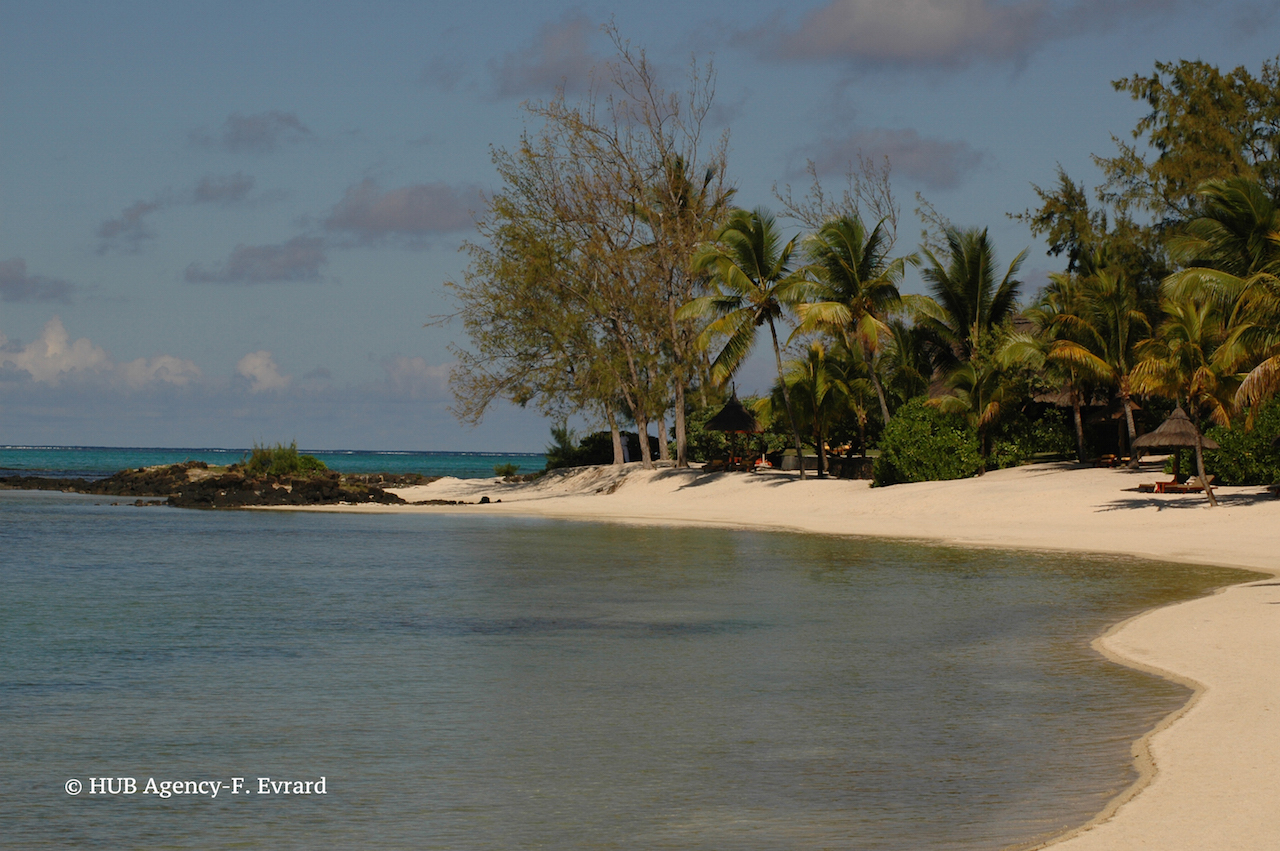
<point>734,417</point>
<point>1177,432</point>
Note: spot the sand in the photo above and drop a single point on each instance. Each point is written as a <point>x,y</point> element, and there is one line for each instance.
<point>1211,773</point>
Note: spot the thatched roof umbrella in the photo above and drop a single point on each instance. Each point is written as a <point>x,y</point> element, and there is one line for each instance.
<point>1178,432</point>
<point>734,418</point>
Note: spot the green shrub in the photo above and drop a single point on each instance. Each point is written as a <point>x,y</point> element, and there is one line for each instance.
<point>505,470</point>
<point>703,443</point>
<point>1019,438</point>
<point>921,443</point>
<point>281,460</point>
<point>1246,456</point>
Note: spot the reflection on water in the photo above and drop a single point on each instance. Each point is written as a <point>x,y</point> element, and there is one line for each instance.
<point>483,683</point>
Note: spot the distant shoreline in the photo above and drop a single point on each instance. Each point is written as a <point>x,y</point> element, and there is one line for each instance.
<point>101,462</point>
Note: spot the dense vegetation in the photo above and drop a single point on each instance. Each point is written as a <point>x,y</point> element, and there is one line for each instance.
<point>280,460</point>
<point>616,280</point>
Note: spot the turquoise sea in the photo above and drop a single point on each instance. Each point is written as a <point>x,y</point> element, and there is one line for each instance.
<point>100,461</point>
<point>479,682</point>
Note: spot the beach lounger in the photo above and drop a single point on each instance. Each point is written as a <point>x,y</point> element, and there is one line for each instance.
<point>1193,485</point>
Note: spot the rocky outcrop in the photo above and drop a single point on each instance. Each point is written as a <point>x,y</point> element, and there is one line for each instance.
<point>195,485</point>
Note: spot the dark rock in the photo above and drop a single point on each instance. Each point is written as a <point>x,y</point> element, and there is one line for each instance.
<point>192,485</point>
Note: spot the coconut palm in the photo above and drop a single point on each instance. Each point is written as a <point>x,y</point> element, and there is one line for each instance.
<point>751,268</point>
<point>904,361</point>
<point>967,302</point>
<point>1117,326</point>
<point>823,385</point>
<point>1184,361</point>
<point>1060,345</point>
<point>856,288</point>
<point>979,392</point>
<point>1232,253</point>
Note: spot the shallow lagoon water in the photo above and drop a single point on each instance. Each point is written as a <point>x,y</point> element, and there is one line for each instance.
<point>471,682</point>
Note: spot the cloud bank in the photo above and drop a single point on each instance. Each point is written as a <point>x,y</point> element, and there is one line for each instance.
<point>369,215</point>
<point>55,358</point>
<point>937,163</point>
<point>18,286</point>
<point>299,259</point>
<point>128,231</point>
<point>262,372</point>
<point>558,55</point>
<point>946,33</point>
<point>260,133</point>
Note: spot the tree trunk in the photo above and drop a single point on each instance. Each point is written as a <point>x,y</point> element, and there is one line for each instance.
<point>682,437</point>
<point>822,453</point>
<point>868,359</point>
<point>664,450</point>
<point>642,430</point>
<point>1075,411</point>
<point>615,433</point>
<point>1128,419</point>
<point>681,377</point>
<point>786,397</point>
<point>1204,480</point>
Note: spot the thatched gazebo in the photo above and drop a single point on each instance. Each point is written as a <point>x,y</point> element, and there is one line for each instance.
<point>734,418</point>
<point>1178,432</point>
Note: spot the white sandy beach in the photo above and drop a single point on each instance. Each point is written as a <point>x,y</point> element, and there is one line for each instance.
<point>1211,773</point>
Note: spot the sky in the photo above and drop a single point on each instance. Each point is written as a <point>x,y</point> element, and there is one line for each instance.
<point>227,223</point>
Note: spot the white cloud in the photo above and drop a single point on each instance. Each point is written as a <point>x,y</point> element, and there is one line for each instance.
<point>54,358</point>
<point>414,378</point>
<point>165,369</point>
<point>263,373</point>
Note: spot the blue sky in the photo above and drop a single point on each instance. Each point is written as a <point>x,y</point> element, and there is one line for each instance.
<point>223,223</point>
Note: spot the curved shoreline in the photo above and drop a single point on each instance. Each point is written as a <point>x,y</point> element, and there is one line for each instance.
<point>1207,779</point>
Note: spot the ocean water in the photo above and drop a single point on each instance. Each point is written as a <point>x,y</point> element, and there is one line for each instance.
<point>99,462</point>
<point>472,682</point>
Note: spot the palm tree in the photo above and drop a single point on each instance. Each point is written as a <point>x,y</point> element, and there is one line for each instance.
<point>905,361</point>
<point>967,301</point>
<point>1117,325</point>
<point>856,288</point>
<point>1232,253</point>
<point>1061,345</point>
<point>980,393</point>
<point>751,268</point>
<point>821,386</point>
<point>1186,362</point>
